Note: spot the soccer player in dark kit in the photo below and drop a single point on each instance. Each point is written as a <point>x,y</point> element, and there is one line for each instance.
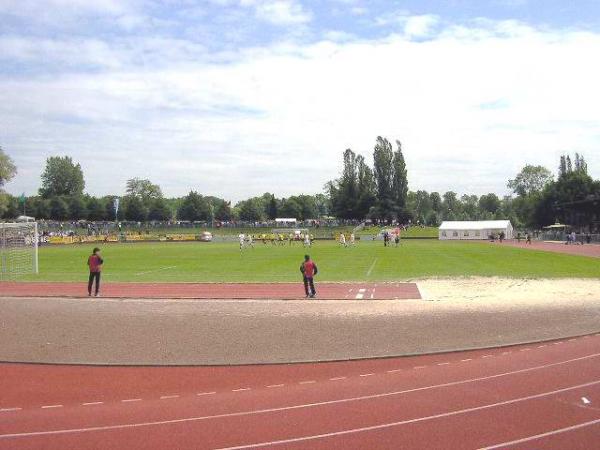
<point>95,264</point>
<point>309,270</point>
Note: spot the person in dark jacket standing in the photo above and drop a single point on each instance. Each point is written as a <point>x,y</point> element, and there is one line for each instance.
<point>95,262</point>
<point>309,270</point>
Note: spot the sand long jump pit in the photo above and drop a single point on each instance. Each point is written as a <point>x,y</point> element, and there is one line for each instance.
<point>434,316</point>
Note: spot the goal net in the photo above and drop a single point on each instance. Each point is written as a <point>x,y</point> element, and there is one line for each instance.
<point>18,250</point>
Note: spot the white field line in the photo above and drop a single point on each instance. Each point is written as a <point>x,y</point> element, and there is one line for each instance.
<point>359,296</point>
<point>419,419</point>
<point>543,435</point>
<point>301,406</point>
<point>155,270</point>
<point>372,267</point>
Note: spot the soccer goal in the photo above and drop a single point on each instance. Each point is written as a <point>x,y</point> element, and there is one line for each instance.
<point>18,250</point>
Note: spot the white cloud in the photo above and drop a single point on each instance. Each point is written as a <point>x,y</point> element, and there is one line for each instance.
<point>281,12</point>
<point>471,106</point>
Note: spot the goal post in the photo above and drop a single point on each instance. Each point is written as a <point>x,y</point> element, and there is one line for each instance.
<point>18,250</point>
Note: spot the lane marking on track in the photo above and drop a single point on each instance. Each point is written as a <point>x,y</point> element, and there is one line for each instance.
<point>558,343</point>
<point>372,267</point>
<point>275,385</point>
<point>444,364</point>
<point>542,346</point>
<point>487,356</point>
<point>419,367</point>
<point>52,406</point>
<point>156,270</point>
<point>466,360</point>
<point>131,400</point>
<point>366,375</point>
<point>167,397</point>
<point>10,409</point>
<point>337,378</point>
<point>525,350</point>
<point>419,419</point>
<point>362,291</point>
<point>295,407</point>
<point>585,400</point>
<point>543,435</point>
<point>240,390</point>
<point>395,370</point>
<point>200,394</point>
<point>359,296</point>
<point>307,382</point>
<point>92,403</point>
<point>572,340</point>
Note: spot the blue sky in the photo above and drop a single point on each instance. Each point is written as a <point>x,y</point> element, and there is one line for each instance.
<point>238,97</point>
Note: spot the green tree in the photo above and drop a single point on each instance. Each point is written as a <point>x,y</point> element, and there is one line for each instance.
<point>223,211</point>
<point>77,208</point>
<point>531,180</point>
<point>159,210</point>
<point>400,183</point>
<point>366,189</point>
<point>7,168</point>
<point>62,177</point>
<point>59,209</point>
<point>96,209</point>
<point>489,203</point>
<point>194,208</point>
<point>272,209</point>
<point>292,208</point>
<point>144,189</point>
<point>383,169</point>
<point>134,209</point>
<point>251,210</point>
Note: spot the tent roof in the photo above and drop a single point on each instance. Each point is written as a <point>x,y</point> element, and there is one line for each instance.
<point>476,225</point>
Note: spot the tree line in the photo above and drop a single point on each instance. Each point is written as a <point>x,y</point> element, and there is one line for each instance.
<point>380,193</point>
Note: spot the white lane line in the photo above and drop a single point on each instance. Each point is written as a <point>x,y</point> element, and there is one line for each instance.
<point>240,390</point>
<point>308,382</point>
<point>167,397</point>
<point>200,394</point>
<point>372,267</point>
<point>417,420</point>
<point>359,296</point>
<point>295,407</point>
<point>543,435</point>
<point>156,270</point>
<point>92,403</point>
<point>572,340</point>
<point>394,370</point>
<point>558,343</point>
<point>419,367</point>
<point>542,346</point>
<point>275,385</point>
<point>444,364</point>
<point>367,375</point>
<point>525,350</point>
<point>337,378</point>
<point>506,353</point>
<point>487,356</point>
<point>585,400</point>
<point>10,409</point>
<point>466,360</point>
<point>52,406</point>
<point>131,400</point>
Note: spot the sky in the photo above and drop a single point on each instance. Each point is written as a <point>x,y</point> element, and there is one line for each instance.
<point>235,98</point>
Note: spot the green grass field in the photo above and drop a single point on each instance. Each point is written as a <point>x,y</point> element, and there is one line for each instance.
<point>368,261</point>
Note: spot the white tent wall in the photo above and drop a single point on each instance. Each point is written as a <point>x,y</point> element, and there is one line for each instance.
<point>475,231</point>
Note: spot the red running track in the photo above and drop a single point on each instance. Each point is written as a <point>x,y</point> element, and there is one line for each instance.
<point>543,396</point>
<point>241,291</point>
<point>592,250</point>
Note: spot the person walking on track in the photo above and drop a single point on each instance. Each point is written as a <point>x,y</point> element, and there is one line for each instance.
<point>309,270</point>
<point>95,262</point>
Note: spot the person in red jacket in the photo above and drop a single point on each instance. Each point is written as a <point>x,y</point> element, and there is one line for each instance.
<point>309,270</point>
<point>95,262</point>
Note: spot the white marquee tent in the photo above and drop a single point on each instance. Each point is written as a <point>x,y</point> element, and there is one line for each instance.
<point>476,230</point>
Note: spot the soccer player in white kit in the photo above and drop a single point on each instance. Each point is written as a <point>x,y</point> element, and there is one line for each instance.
<point>342,239</point>
<point>241,237</point>
<point>307,240</point>
<point>352,239</point>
